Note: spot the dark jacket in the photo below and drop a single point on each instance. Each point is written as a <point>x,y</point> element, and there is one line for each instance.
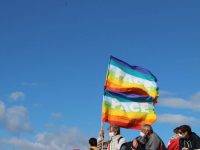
<point>154,142</point>
<point>141,144</point>
<point>193,142</point>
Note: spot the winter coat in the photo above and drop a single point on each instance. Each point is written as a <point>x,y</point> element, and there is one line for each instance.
<point>173,143</point>
<point>116,142</point>
<point>154,142</point>
<point>193,142</point>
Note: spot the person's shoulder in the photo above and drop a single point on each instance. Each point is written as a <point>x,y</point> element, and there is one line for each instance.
<point>121,139</point>
<point>195,136</point>
<point>154,135</point>
<point>126,146</point>
<point>173,141</point>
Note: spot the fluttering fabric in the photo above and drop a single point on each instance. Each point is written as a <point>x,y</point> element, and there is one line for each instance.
<point>130,93</point>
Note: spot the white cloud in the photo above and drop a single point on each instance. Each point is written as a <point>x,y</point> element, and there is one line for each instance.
<point>196,97</point>
<point>17,95</point>
<point>20,144</point>
<point>165,93</point>
<point>2,110</point>
<point>15,119</point>
<point>56,116</point>
<point>192,103</point>
<point>63,139</point>
<point>178,119</point>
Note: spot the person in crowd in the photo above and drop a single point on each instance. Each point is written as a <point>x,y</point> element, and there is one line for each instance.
<point>101,144</point>
<point>173,143</point>
<point>137,144</point>
<point>93,144</point>
<point>188,139</point>
<point>152,140</point>
<point>116,139</point>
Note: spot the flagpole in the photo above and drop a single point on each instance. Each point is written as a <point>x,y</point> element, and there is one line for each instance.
<point>102,123</point>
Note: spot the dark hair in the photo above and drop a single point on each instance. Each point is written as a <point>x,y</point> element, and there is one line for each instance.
<point>93,142</point>
<point>176,130</point>
<point>185,128</point>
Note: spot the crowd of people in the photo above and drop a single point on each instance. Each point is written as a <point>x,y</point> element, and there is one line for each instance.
<point>183,139</point>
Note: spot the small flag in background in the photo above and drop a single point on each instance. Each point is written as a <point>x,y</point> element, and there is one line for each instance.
<point>129,95</point>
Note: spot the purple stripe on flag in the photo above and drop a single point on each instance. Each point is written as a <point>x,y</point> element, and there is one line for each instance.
<point>137,68</point>
<point>133,97</point>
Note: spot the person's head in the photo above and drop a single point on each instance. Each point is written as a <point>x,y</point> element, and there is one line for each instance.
<point>146,130</point>
<point>185,131</point>
<point>176,130</point>
<point>114,130</point>
<point>93,142</point>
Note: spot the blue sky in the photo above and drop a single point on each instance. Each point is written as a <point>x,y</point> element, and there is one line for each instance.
<point>54,55</point>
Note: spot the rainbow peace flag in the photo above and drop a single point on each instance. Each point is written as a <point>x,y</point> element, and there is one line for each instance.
<point>130,93</point>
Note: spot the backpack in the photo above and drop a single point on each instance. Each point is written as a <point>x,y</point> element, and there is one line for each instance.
<point>126,146</point>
